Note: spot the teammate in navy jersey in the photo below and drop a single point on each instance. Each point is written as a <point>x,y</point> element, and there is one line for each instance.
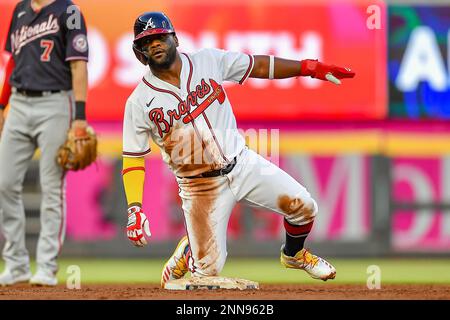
<point>46,87</point>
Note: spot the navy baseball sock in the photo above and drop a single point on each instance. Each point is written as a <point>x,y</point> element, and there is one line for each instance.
<point>295,237</point>
<point>293,244</point>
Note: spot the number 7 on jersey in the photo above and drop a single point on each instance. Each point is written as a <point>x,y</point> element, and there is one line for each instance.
<point>48,47</point>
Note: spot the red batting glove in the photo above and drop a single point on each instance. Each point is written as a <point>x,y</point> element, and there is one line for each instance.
<point>322,71</point>
<point>137,225</point>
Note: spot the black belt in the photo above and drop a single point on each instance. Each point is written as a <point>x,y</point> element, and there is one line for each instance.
<point>36,93</point>
<point>215,173</point>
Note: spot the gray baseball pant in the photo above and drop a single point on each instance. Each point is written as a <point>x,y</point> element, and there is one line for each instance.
<point>33,122</point>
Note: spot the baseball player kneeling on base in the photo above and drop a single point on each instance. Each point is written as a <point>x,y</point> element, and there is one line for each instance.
<point>181,104</point>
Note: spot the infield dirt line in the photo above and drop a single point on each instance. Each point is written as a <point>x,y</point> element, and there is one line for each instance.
<point>266,292</point>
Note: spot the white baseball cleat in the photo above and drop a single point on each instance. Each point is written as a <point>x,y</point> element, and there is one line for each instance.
<point>44,278</point>
<point>315,266</point>
<point>9,278</point>
<point>177,265</point>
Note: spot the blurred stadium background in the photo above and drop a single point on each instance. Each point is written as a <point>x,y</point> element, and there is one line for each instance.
<point>374,152</point>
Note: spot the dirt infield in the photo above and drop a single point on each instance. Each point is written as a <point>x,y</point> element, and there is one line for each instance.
<point>266,292</point>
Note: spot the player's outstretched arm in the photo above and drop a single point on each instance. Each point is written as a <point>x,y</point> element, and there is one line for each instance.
<point>269,67</point>
<point>133,175</point>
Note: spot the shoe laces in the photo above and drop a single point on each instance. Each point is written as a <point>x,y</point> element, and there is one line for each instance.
<point>180,267</point>
<point>309,259</point>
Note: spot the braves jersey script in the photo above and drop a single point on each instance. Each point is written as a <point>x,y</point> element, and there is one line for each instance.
<point>193,125</point>
<point>42,44</point>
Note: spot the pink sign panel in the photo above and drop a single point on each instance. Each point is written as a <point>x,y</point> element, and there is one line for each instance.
<point>339,184</point>
<point>424,181</point>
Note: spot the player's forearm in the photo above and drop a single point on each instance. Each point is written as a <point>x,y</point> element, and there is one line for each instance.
<point>80,87</point>
<point>133,175</point>
<point>269,67</point>
<point>282,68</point>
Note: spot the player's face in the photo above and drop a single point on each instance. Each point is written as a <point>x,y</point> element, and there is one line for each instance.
<point>161,50</point>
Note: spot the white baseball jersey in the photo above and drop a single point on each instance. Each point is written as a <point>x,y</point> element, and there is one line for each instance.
<point>196,130</point>
<point>194,125</point>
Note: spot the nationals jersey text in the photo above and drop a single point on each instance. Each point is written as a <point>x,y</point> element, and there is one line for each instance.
<point>43,43</point>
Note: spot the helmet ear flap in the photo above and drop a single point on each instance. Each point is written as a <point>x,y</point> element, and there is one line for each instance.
<point>141,56</point>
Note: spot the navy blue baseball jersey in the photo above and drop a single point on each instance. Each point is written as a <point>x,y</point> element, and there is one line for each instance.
<point>43,43</point>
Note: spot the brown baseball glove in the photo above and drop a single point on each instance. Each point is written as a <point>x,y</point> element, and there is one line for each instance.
<point>79,150</point>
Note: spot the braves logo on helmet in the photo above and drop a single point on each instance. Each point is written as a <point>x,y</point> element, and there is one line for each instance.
<point>149,24</point>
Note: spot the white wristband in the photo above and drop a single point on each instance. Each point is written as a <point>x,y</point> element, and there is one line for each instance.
<point>271,66</point>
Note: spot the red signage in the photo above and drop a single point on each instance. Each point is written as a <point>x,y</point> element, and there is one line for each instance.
<point>335,33</point>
